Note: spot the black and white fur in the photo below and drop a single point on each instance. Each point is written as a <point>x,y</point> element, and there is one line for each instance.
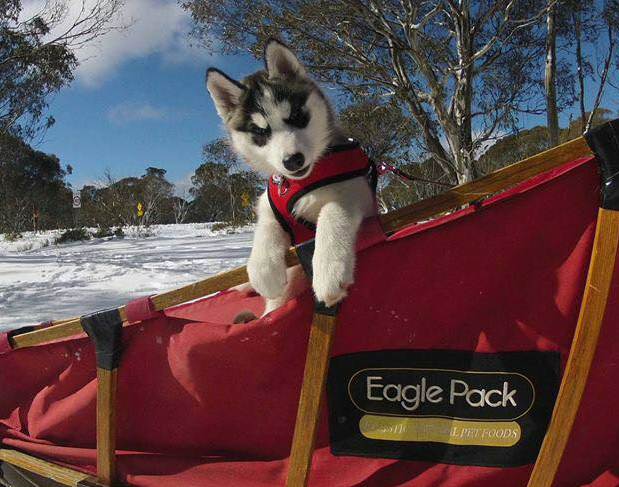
<point>280,122</point>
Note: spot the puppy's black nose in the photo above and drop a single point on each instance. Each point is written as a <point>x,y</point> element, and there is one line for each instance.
<point>294,162</point>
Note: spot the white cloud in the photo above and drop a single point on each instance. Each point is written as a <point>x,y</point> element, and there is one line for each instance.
<point>155,27</point>
<point>133,112</point>
<point>183,185</point>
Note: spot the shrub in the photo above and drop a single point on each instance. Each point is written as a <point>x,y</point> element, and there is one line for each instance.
<point>141,231</point>
<point>72,235</point>
<point>12,236</point>
<point>231,226</point>
<point>103,232</point>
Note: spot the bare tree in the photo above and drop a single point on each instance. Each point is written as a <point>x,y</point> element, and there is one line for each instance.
<point>384,131</point>
<point>580,65</point>
<point>181,206</point>
<point>16,215</point>
<point>603,77</point>
<point>153,192</point>
<point>113,201</point>
<point>594,24</point>
<point>38,54</point>
<point>461,71</point>
<point>573,28</point>
<point>118,199</point>
<point>550,75</point>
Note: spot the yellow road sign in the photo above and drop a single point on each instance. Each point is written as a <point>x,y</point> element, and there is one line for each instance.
<point>139,207</point>
<point>245,200</point>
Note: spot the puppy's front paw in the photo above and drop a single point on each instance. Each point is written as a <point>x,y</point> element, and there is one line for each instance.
<point>331,277</point>
<point>267,276</point>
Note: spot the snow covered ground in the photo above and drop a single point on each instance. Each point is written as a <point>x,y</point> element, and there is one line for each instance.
<point>41,281</point>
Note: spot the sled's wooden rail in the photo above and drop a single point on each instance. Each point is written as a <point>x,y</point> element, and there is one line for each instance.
<point>584,344</point>
<point>62,475</point>
<point>391,222</point>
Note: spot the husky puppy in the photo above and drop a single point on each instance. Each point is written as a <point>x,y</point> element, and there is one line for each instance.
<point>281,124</point>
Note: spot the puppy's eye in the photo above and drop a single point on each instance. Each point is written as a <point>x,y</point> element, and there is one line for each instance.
<point>259,135</point>
<point>259,131</point>
<point>298,118</point>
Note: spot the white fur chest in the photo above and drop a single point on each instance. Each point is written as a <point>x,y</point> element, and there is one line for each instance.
<point>353,194</point>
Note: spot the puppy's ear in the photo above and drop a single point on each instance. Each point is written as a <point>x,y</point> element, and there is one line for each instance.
<point>224,91</point>
<point>281,62</point>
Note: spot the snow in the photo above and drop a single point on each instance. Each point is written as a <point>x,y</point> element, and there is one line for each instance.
<point>40,281</point>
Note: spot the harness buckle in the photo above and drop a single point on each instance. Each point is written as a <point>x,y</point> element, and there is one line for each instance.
<point>282,184</point>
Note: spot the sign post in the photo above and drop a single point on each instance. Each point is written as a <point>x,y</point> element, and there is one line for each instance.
<point>77,204</point>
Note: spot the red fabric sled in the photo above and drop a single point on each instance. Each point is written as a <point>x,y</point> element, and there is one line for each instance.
<point>205,403</point>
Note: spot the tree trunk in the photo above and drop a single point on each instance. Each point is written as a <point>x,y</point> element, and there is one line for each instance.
<point>232,204</point>
<point>430,138</point>
<point>461,141</point>
<point>580,70</point>
<point>550,79</point>
<point>603,78</point>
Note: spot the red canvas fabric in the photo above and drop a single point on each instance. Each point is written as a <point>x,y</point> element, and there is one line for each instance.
<point>140,309</point>
<point>205,403</point>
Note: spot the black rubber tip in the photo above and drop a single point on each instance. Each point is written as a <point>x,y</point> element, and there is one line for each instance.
<point>604,142</point>
<point>104,329</point>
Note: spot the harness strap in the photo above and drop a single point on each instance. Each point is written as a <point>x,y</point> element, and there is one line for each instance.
<point>384,168</point>
<point>340,164</point>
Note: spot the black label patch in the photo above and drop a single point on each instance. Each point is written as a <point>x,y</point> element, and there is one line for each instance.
<point>447,406</point>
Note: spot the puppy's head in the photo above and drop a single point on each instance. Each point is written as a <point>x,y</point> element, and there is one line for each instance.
<point>278,120</point>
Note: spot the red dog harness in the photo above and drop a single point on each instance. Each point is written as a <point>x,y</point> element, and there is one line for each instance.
<point>340,163</point>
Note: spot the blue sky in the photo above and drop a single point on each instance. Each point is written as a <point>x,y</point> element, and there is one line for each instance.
<point>139,98</point>
<point>147,113</point>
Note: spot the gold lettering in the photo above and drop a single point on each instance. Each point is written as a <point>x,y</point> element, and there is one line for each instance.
<point>441,430</point>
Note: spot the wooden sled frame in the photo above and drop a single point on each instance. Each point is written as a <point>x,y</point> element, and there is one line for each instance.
<point>321,334</point>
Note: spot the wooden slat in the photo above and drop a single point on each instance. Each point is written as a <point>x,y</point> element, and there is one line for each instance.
<point>582,351</point>
<point>213,284</point>
<point>391,222</point>
<point>62,475</point>
<point>65,329</point>
<point>308,413</point>
<point>106,425</point>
